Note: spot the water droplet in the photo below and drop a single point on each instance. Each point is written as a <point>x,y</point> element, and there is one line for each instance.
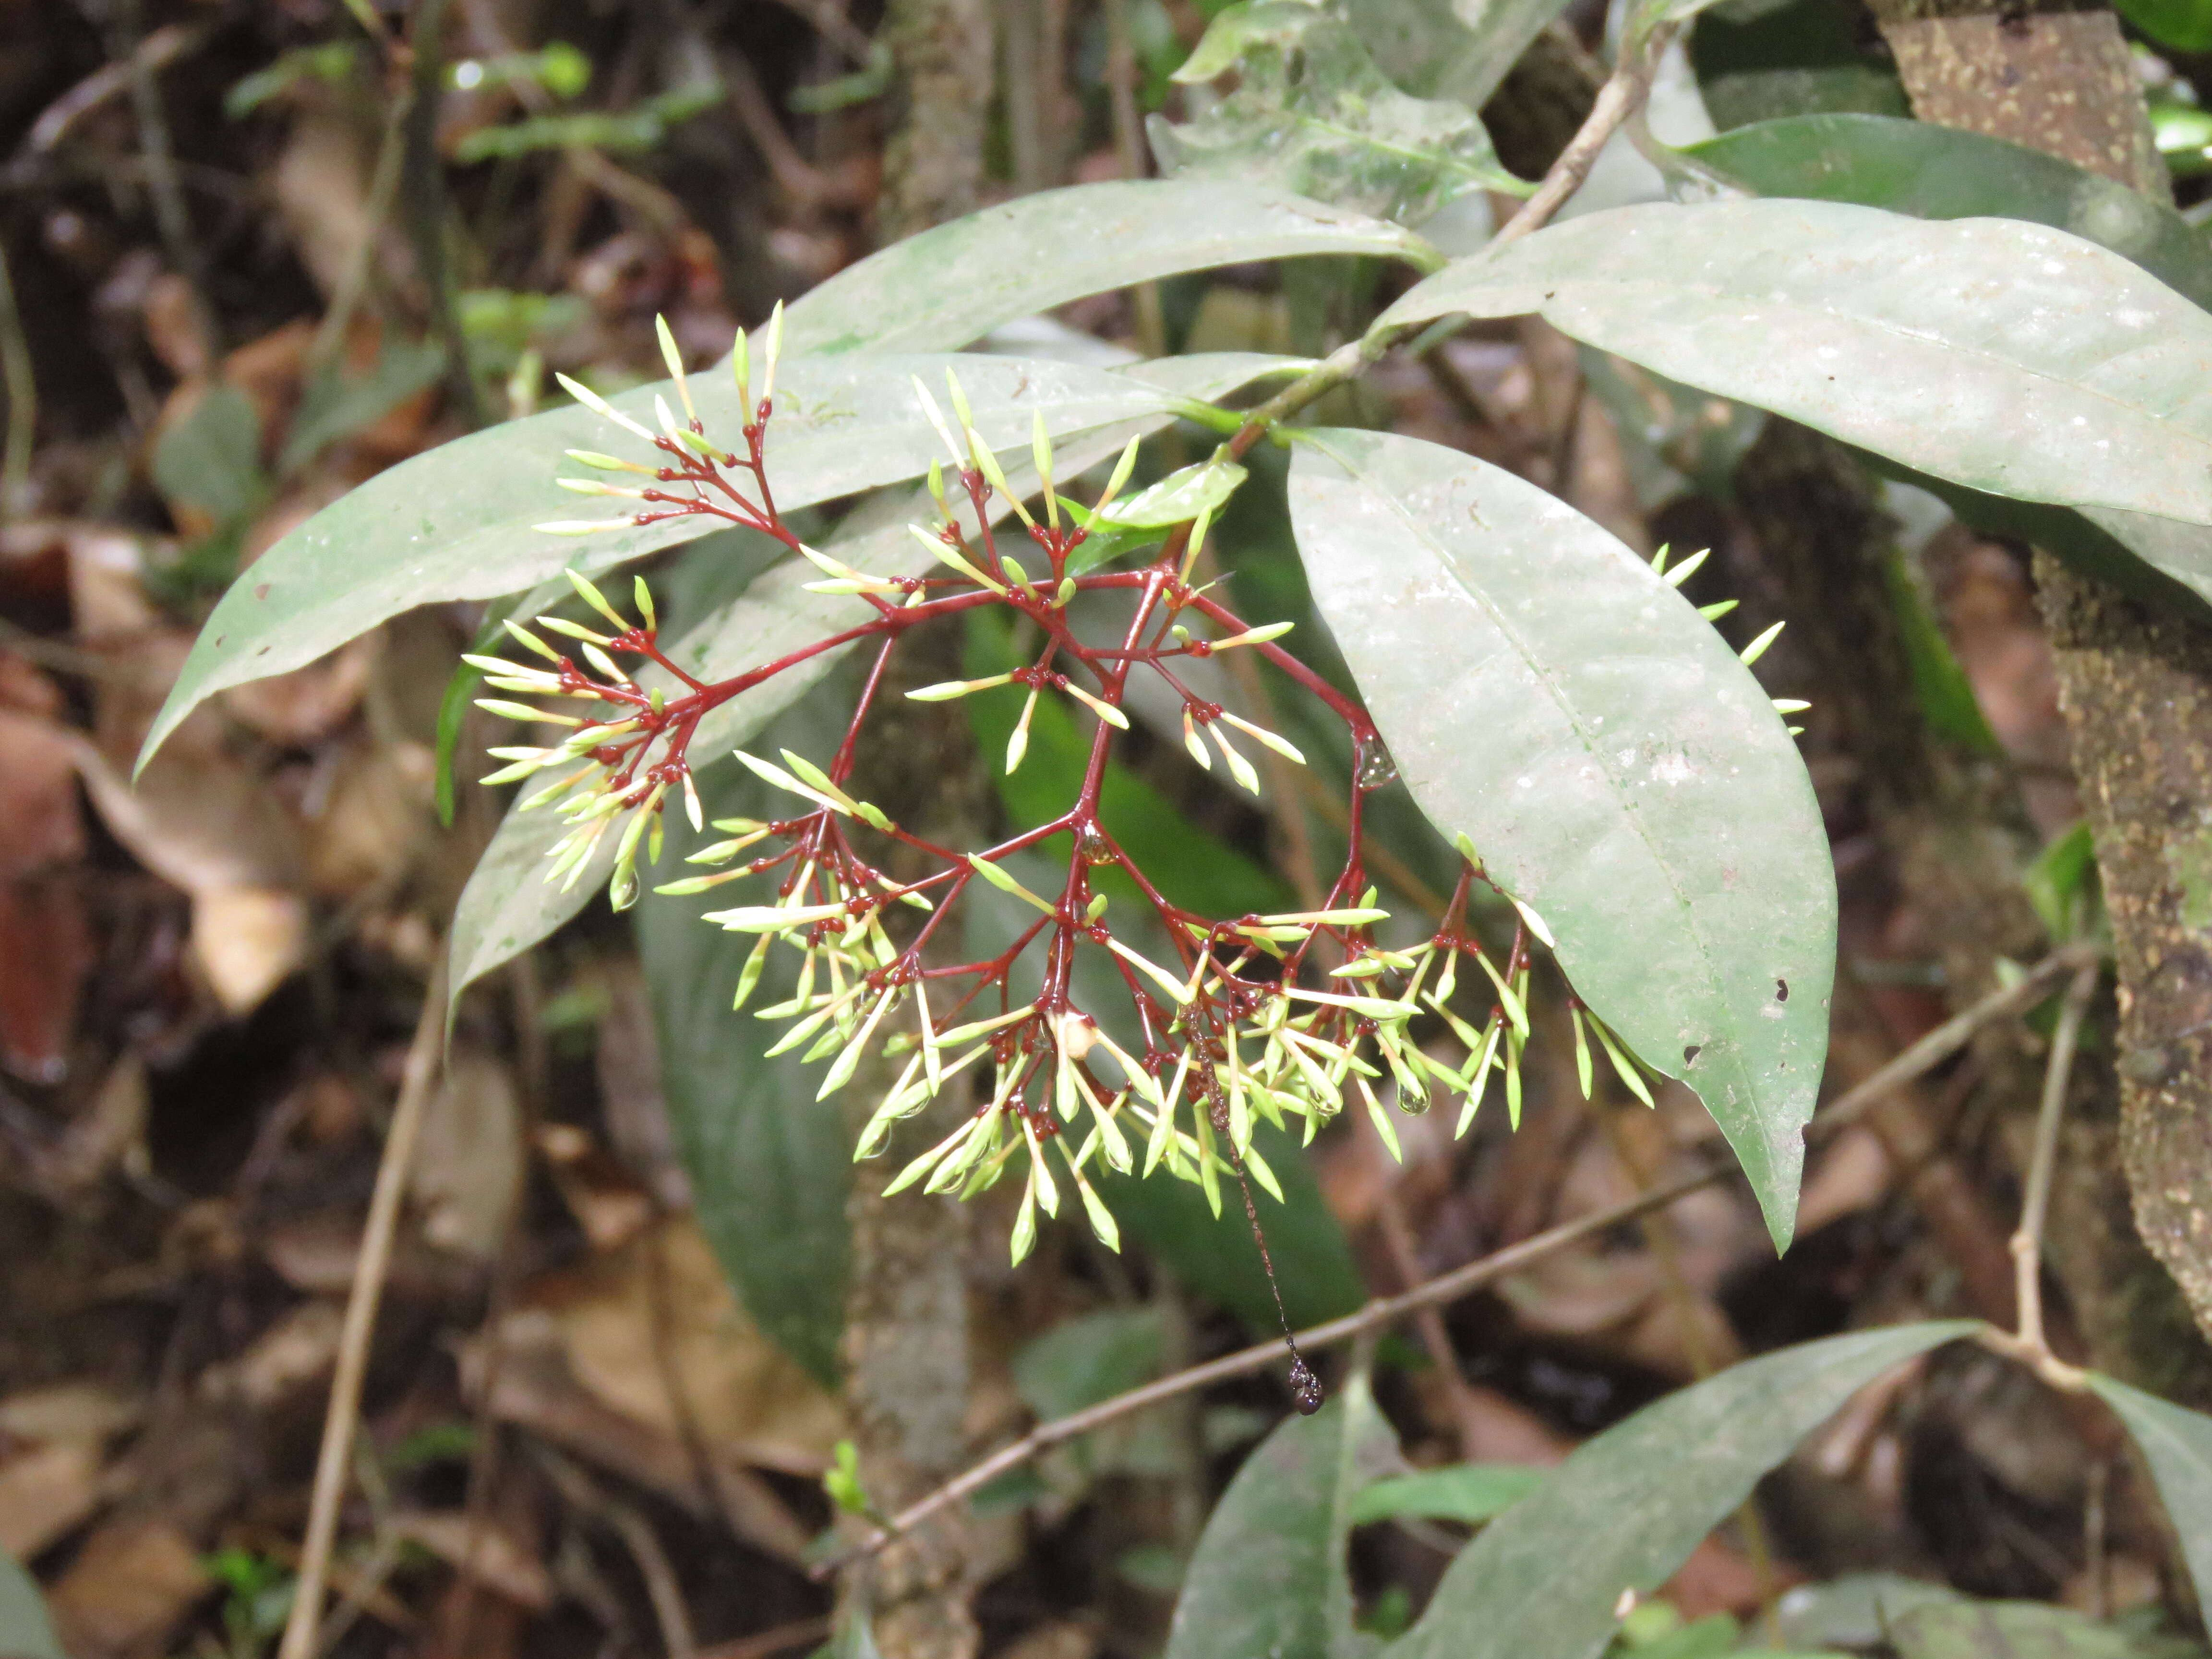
<point>1412,1104</point>
<point>1091,846</point>
<point>1306,1392</point>
<point>1375,767</point>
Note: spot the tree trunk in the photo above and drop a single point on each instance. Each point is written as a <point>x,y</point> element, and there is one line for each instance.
<point>906,1315</point>
<point>2136,688</point>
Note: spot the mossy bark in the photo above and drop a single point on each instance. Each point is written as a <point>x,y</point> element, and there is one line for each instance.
<point>2136,688</point>
<point>934,164</point>
<point>907,1325</point>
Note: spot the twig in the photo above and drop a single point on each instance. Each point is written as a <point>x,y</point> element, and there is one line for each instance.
<point>2028,1344</point>
<point>1929,1051</point>
<point>368,1274</point>
<point>22,387</point>
<point>799,179</point>
<point>1429,1321</point>
<point>1953,1034</point>
<point>156,50</point>
<point>584,1493</point>
<point>525,994</point>
<point>424,178</point>
<point>171,216</point>
<point>383,185</point>
<point>1129,150</point>
<point>1621,97</point>
<point>781,1638</point>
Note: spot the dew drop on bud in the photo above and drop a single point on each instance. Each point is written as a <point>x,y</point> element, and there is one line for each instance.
<point>1093,846</point>
<point>1376,768</point>
<point>1306,1392</point>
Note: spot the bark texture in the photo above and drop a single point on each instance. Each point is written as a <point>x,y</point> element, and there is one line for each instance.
<point>907,1324</point>
<point>933,165</point>
<point>2136,688</point>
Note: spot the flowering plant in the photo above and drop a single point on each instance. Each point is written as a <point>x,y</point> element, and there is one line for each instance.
<point>1277,1017</point>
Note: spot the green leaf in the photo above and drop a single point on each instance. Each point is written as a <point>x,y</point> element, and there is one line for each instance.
<point>1455,49</point>
<point>1080,1362</point>
<point>211,459</point>
<point>770,1169</point>
<point>456,522</point>
<point>2177,1443</point>
<point>2003,1630</point>
<point>1675,439</point>
<point>1544,693</point>
<point>507,906</point>
<point>1933,171</point>
<point>1215,1257</point>
<point>1627,1508</point>
<point>1470,1492</point>
<point>1946,696</point>
<point>856,1638</point>
<point>332,62</point>
<point>1757,60</point>
<point>2184,24</point>
<point>1855,1610</point>
<point>2162,563</point>
<point>644,127</point>
<point>1176,499</point>
<point>953,285</point>
<point>1313,113</point>
<point>334,404</point>
<point>2007,357</point>
<point>1268,1580</point>
<point>26,1632</point>
<point>2062,880</point>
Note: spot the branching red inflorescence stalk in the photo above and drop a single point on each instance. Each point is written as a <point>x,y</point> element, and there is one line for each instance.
<point>1231,981</point>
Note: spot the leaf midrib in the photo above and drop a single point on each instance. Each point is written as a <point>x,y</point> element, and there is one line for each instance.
<point>1718,293</point>
<point>1943,343</point>
<point>1627,806</point>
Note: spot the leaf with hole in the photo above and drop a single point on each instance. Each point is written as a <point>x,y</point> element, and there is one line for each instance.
<point>1546,695</point>
<point>951,285</point>
<point>1268,1577</point>
<point>1312,112</point>
<point>456,522</point>
<point>2007,357</point>
<point>1625,1509</point>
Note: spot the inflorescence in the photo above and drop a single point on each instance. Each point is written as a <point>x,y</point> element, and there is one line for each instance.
<point>1279,1018</point>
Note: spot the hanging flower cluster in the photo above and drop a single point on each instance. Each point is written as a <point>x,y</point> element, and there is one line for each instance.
<point>1283,1017</point>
